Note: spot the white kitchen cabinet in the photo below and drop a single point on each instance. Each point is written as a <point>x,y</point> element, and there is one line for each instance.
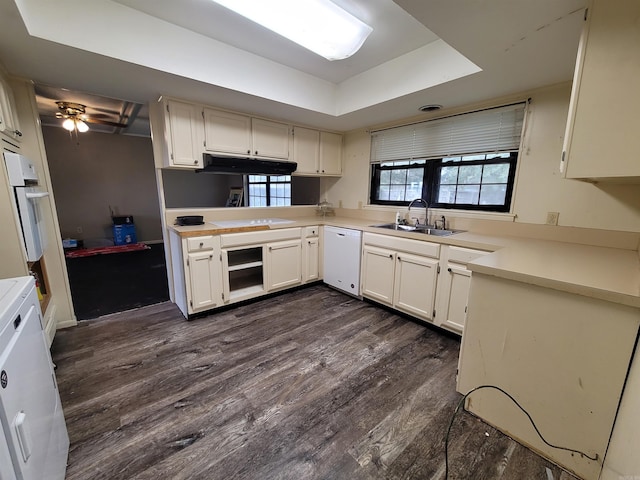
<point>204,285</point>
<point>378,271</point>
<point>226,132</point>
<point>401,273</point>
<point>330,153</point>
<point>601,140</point>
<point>284,264</point>
<point>311,254</point>
<point>183,134</point>
<point>237,134</point>
<point>414,290</point>
<point>306,150</point>
<point>270,139</point>
<point>453,286</point>
<point>9,125</point>
<point>317,153</point>
<point>196,272</point>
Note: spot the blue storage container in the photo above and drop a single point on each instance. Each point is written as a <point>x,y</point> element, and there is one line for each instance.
<point>124,234</point>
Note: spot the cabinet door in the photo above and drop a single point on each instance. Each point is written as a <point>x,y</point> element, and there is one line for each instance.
<point>311,257</point>
<point>284,264</point>
<point>306,150</point>
<point>455,293</point>
<point>378,267</point>
<point>330,153</point>
<point>602,132</point>
<point>8,117</point>
<point>184,123</point>
<point>270,139</point>
<point>226,132</point>
<point>415,285</point>
<point>204,281</point>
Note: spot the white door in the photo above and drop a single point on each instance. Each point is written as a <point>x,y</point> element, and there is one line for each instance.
<point>457,280</point>
<point>378,267</point>
<point>204,286</point>
<point>284,264</point>
<point>311,259</point>
<point>270,139</point>
<point>184,125</point>
<point>227,132</point>
<point>415,285</point>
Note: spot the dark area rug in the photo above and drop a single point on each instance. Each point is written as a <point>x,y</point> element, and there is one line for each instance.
<point>104,284</point>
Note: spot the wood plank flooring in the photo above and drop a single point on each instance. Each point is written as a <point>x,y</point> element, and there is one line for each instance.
<point>311,384</point>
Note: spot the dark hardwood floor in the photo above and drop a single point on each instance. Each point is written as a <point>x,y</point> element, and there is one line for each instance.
<point>311,384</point>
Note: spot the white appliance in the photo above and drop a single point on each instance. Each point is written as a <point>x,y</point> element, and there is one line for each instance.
<point>24,179</point>
<point>342,250</point>
<point>34,444</point>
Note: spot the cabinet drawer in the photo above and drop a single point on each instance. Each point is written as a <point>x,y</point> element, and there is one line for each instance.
<point>311,231</point>
<point>262,236</point>
<point>195,244</point>
<point>417,247</point>
<point>464,255</point>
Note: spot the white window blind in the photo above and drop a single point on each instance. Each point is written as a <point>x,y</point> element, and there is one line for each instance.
<point>486,131</point>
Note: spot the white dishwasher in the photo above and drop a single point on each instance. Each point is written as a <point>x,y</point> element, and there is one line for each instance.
<point>342,251</point>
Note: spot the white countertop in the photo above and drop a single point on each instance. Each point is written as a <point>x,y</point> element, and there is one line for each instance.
<point>610,274</point>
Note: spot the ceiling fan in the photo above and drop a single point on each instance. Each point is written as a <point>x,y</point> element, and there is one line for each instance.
<point>75,117</point>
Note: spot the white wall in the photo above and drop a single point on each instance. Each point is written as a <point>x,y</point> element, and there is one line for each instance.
<point>98,171</point>
<point>539,189</point>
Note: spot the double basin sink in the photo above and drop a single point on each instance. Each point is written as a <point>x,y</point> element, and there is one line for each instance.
<point>426,229</point>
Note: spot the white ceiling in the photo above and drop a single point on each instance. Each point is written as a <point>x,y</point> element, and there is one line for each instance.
<point>420,52</point>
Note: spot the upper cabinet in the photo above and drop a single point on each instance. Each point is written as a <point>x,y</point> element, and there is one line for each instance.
<point>227,132</point>
<point>317,153</point>
<point>602,141</point>
<point>232,133</point>
<point>182,134</point>
<point>9,125</point>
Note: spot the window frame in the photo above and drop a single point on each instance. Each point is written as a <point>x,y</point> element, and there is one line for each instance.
<point>267,184</point>
<point>431,182</point>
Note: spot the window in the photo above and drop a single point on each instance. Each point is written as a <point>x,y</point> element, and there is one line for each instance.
<point>416,161</point>
<point>269,190</point>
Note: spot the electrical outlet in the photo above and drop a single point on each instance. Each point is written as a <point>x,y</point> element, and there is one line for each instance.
<point>79,230</point>
<point>552,218</point>
<point>359,205</point>
<point>339,203</point>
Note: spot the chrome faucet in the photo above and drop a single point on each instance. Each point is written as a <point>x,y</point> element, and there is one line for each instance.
<point>426,209</point>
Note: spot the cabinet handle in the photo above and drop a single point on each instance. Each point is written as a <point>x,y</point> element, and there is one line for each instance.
<point>201,244</point>
<point>248,152</point>
<point>391,255</point>
<point>211,257</point>
<point>449,270</point>
<point>256,152</point>
<point>270,248</point>
<point>195,162</point>
<point>399,259</point>
<point>18,133</point>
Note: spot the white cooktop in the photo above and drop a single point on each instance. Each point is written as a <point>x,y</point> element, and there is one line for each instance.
<point>249,223</point>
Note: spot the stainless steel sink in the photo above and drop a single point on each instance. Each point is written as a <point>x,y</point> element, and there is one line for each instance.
<point>426,229</point>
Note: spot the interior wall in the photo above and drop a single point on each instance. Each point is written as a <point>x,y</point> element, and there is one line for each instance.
<point>97,172</point>
<point>540,188</point>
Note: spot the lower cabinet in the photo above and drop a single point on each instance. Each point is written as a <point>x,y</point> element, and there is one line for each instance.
<point>196,273</point>
<point>414,291</point>
<point>284,264</point>
<point>453,286</point>
<point>311,254</point>
<point>255,263</point>
<point>401,273</point>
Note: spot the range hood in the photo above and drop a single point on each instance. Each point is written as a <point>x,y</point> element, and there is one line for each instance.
<point>245,166</point>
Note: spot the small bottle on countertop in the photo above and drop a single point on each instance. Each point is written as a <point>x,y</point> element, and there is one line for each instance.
<point>397,218</point>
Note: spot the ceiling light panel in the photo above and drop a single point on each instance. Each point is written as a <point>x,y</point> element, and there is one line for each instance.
<point>317,25</point>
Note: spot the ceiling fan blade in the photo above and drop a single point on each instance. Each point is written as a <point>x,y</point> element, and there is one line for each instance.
<point>105,122</point>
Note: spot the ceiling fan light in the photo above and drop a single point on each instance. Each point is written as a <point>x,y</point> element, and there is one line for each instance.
<point>69,124</point>
<point>317,25</point>
<point>81,126</point>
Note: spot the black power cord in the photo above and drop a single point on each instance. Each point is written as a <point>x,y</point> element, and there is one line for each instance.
<point>461,402</point>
